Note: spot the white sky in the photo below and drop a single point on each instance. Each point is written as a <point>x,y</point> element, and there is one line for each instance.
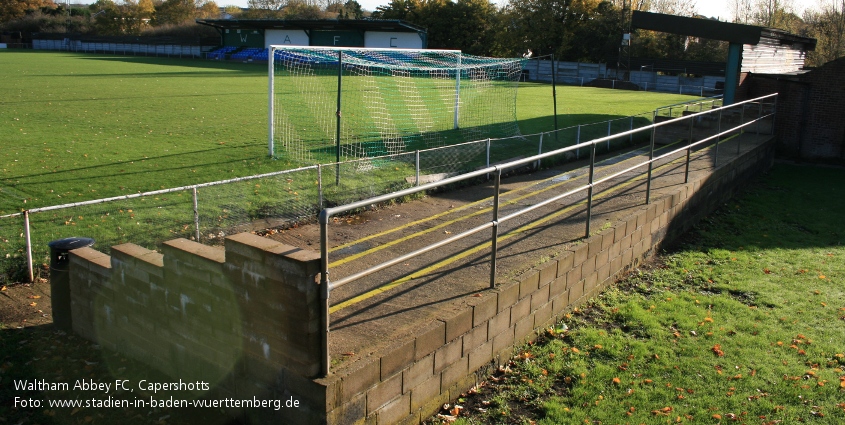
<point>711,8</point>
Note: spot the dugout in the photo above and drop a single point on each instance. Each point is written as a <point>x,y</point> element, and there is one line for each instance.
<point>261,33</point>
<point>752,49</point>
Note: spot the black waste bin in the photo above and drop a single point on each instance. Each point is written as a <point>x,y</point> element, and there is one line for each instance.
<point>60,278</point>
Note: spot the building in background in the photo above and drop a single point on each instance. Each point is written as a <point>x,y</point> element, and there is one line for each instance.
<point>262,33</point>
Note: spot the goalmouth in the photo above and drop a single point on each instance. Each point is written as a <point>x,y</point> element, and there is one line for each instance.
<point>330,104</point>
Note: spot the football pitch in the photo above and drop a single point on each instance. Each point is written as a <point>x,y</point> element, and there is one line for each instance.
<point>84,127</point>
<point>80,126</point>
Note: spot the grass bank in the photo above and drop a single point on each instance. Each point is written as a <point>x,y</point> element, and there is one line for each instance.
<point>741,321</point>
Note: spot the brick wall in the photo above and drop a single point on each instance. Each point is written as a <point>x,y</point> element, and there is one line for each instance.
<point>243,317</point>
<point>271,286</point>
<point>409,381</point>
<point>810,107</point>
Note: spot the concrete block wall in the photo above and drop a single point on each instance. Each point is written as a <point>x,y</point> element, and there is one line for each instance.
<point>409,381</point>
<point>274,289</point>
<point>243,317</point>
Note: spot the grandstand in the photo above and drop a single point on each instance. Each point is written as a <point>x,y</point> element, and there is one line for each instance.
<point>371,33</point>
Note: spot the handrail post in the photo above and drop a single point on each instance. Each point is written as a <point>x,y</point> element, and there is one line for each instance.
<point>417,167</point>
<point>609,123</point>
<point>689,152</point>
<point>539,152</point>
<point>578,142</point>
<point>28,237</point>
<point>324,293</point>
<point>759,116</point>
<point>590,188</point>
<point>319,187</point>
<point>650,164</point>
<point>196,214</point>
<point>488,157</point>
<point>718,139</point>
<point>494,241</point>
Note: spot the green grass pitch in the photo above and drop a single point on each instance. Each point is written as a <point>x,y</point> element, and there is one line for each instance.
<point>78,127</point>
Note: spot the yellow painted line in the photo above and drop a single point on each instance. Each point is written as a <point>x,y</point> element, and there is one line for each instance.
<point>446,223</point>
<point>475,249</point>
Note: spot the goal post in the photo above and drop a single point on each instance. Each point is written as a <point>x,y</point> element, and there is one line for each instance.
<point>330,104</point>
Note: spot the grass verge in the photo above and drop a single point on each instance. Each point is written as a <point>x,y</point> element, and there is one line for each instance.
<point>741,321</point>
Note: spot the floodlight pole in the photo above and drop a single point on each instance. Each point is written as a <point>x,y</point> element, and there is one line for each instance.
<point>337,133</point>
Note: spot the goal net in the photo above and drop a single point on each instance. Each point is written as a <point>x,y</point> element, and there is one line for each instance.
<point>333,104</point>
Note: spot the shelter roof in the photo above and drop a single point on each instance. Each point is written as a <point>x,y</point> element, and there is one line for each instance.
<point>314,24</point>
<point>715,30</point>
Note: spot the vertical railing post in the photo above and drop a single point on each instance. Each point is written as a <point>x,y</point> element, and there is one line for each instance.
<point>631,136</point>
<point>28,241</point>
<point>650,164</point>
<point>590,188</point>
<point>494,241</point>
<point>609,123</point>
<point>196,213</point>
<point>689,152</point>
<point>578,142</point>
<point>718,139</point>
<point>319,188</point>
<point>417,167</point>
<point>324,293</point>
<point>539,151</point>
<point>487,162</point>
<point>759,116</point>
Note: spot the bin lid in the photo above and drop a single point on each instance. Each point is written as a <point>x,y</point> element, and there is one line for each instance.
<point>68,244</point>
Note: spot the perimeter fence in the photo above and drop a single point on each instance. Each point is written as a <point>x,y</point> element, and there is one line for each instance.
<point>274,201</point>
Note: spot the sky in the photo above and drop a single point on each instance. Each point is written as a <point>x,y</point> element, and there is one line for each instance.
<point>710,8</point>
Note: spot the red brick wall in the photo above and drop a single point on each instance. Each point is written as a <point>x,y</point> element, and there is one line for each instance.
<point>810,110</point>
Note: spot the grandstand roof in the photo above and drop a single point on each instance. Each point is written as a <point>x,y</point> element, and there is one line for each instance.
<point>716,30</point>
<point>315,24</point>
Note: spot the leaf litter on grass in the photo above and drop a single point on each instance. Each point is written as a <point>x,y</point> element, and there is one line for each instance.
<point>740,322</point>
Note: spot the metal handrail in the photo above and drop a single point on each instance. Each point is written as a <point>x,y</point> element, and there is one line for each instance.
<point>326,214</point>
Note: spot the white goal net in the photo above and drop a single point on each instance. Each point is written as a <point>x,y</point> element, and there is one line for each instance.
<point>333,104</point>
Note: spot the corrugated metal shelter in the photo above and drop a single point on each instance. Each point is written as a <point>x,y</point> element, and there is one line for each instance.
<point>751,48</point>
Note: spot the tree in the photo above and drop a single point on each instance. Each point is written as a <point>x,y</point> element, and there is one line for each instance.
<point>264,9</point>
<point>175,12</point>
<point>742,11</point>
<point>396,9</point>
<point>14,9</point>
<point>108,18</point>
<point>351,10</point>
<point>208,10</point>
<point>828,26</point>
<point>300,9</point>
